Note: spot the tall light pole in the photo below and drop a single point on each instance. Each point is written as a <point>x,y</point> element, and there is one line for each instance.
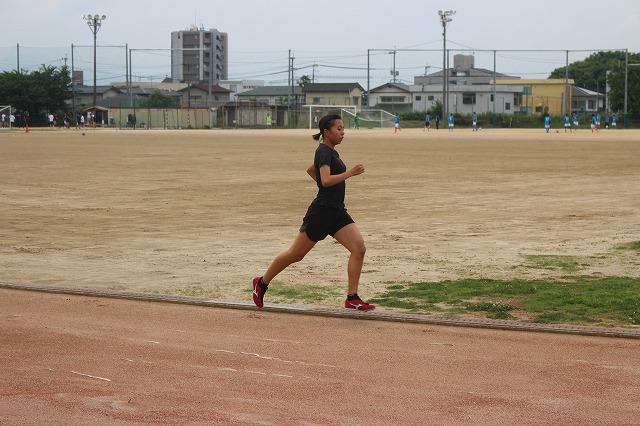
<point>445,18</point>
<point>94,22</point>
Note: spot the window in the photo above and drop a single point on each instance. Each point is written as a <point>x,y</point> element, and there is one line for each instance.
<point>430,97</point>
<point>492,97</point>
<point>318,101</point>
<point>469,98</point>
<point>517,99</point>
<point>507,106</point>
<point>392,99</point>
<point>418,98</point>
<point>526,90</point>
<point>539,108</point>
<point>592,104</point>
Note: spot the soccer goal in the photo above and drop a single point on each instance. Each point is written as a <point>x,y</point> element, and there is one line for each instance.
<point>5,115</point>
<point>375,119</point>
<point>316,112</point>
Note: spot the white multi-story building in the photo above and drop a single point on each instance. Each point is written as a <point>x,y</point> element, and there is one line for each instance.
<point>199,56</point>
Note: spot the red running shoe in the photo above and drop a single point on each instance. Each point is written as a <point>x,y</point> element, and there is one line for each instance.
<point>358,304</point>
<point>259,289</point>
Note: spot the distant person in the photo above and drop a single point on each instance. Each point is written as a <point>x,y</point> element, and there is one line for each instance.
<point>12,120</point>
<point>427,123</point>
<point>356,121</point>
<point>547,123</point>
<point>52,122</point>
<point>4,118</point>
<point>576,120</point>
<point>396,123</point>
<point>567,122</point>
<point>594,123</point>
<point>614,122</point>
<point>437,120</point>
<point>326,215</point>
<point>451,122</point>
<point>606,121</point>
<point>269,121</point>
<point>67,121</point>
<point>474,120</point>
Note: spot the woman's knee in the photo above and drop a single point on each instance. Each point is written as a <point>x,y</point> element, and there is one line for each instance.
<point>296,256</point>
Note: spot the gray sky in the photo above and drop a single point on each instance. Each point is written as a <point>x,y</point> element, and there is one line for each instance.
<point>333,35</point>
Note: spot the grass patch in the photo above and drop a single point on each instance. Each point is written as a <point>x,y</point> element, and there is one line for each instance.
<point>632,246</point>
<point>302,292</point>
<point>611,301</point>
<point>564,263</point>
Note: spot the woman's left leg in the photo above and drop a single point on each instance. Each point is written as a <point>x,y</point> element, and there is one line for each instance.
<point>351,238</point>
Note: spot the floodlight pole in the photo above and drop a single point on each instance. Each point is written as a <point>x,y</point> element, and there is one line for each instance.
<point>94,22</point>
<point>445,18</point>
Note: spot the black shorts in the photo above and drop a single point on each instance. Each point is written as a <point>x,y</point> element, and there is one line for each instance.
<point>321,221</point>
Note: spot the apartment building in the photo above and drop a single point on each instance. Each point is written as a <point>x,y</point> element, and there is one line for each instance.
<point>199,56</point>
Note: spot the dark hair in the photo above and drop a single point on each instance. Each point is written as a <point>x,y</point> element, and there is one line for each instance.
<point>326,123</point>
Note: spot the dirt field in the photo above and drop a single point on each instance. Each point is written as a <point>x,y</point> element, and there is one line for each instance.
<point>202,212</point>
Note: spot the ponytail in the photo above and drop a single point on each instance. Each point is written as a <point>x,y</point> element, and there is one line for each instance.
<point>326,123</point>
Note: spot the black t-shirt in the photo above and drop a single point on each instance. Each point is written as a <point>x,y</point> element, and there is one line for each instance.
<point>331,196</point>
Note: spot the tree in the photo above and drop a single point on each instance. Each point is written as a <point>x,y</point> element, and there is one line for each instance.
<point>303,81</point>
<point>600,68</point>
<point>159,100</point>
<point>39,92</point>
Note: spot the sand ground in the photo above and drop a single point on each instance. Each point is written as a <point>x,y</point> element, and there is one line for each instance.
<point>202,212</point>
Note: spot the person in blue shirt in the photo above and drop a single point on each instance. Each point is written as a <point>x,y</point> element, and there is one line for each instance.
<point>606,121</point>
<point>427,123</point>
<point>614,122</point>
<point>396,122</point>
<point>594,123</point>
<point>437,120</point>
<point>576,121</point>
<point>451,122</point>
<point>547,123</point>
<point>567,123</point>
<point>475,122</point>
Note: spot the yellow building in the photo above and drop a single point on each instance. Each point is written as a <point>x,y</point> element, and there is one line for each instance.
<point>543,96</point>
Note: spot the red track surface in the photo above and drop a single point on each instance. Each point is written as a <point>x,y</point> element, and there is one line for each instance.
<point>86,360</point>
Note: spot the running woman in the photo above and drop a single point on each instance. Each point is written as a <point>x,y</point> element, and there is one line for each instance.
<point>326,215</point>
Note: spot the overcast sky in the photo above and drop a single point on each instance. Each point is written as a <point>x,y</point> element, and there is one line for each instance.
<point>342,38</point>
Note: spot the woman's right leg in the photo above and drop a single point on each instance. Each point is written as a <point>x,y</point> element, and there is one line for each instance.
<point>298,250</point>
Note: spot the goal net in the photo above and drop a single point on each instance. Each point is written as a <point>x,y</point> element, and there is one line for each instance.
<point>375,119</point>
<point>5,113</point>
<point>316,112</point>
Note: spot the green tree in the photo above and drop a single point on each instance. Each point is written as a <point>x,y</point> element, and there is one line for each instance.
<point>39,92</point>
<point>159,100</point>
<point>303,81</point>
<point>593,72</point>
